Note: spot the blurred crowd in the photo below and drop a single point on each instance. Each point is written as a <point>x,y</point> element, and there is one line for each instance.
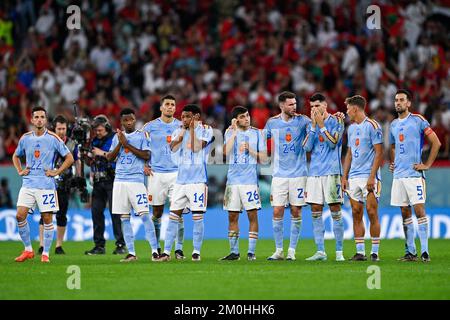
<point>220,54</point>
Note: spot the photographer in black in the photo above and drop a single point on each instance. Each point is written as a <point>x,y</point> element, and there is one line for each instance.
<point>63,185</point>
<point>103,177</point>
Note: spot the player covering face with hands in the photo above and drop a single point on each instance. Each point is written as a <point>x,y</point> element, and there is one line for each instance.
<point>191,145</point>
<point>324,141</point>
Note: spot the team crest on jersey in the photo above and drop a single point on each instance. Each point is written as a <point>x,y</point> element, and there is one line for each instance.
<point>288,137</point>
<point>357,142</point>
<point>37,153</point>
<point>321,139</point>
<point>150,197</point>
<point>126,150</point>
<point>401,137</point>
<point>242,147</point>
<point>168,139</point>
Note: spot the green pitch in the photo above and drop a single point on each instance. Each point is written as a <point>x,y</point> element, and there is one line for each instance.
<point>103,277</point>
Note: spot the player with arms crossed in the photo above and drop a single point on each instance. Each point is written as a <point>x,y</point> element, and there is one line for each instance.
<point>192,140</point>
<point>324,141</point>
<point>287,131</point>
<point>131,150</point>
<point>244,145</point>
<point>39,147</point>
<point>162,168</point>
<point>408,187</point>
<point>362,180</point>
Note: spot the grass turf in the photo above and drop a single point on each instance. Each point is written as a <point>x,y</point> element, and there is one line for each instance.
<point>104,277</point>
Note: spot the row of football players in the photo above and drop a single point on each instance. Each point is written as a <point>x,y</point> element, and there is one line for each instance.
<point>177,153</point>
<point>293,184</point>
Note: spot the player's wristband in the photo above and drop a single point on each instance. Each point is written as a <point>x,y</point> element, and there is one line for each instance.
<point>323,129</point>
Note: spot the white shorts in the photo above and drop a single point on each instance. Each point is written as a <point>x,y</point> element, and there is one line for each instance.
<point>357,189</point>
<point>192,196</point>
<point>238,197</point>
<point>288,191</point>
<point>160,187</point>
<point>45,199</point>
<point>324,190</point>
<point>408,191</point>
<point>127,195</point>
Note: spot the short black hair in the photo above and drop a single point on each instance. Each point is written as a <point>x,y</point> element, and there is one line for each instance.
<point>317,97</point>
<point>238,110</point>
<point>59,119</point>
<point>286,95</point>
<point>38,108</point>
<point>168,97</point>
<point>126,111</point>
<point>405,92</point>
<point>356,100</point>
<point>195,109</point>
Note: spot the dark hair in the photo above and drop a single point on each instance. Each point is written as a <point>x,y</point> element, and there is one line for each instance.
<point>126,111</point>
<point>38,108</point>
<point>317,97</point>
<point>238,110</point>
<point>101,120</point>
<point>357,100</point>
<point>168,97</point>
<point>286,95</point>
<point>406,92</point>
<point>59,119</point>
<point>195,109</point>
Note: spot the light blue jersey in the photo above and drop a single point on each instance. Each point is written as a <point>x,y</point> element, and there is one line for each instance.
<point>325,146</point>
<point>161,159</point>
<point>407,134</point>
<point>243,168</point>
<point>192,165</point>
<point>40,153</point>
<point>129,167</point>
<point>361,140</point>
<point>289,158</point>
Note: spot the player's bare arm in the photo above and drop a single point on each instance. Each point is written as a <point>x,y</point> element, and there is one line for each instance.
<point>347,164</point>
<point>112,155</point>
<point>197,144</point>
<point>392,158</point>
<point>230,143</point>
<point>376,164</point>
<point>433,140</point>
<point>18,166</point>
<point>148,170</point>
<point>143,154</point>
<point>176,143</point>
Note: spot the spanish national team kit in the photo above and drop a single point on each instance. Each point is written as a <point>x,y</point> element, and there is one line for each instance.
<point>163,162</point>
<point>242,191</point>
<point>361,140</point>
<point>40,153</point>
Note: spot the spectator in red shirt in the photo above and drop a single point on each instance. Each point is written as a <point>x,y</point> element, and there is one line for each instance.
<point>259,114</point>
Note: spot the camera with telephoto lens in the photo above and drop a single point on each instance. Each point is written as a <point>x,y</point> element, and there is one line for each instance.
<point>81,133</point>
